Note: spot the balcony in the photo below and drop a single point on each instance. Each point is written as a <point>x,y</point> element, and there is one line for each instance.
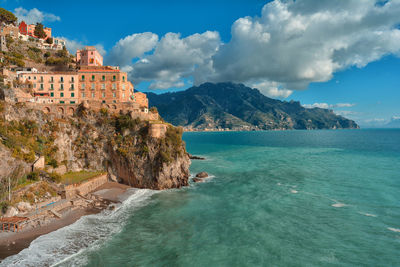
<point>71,89</point>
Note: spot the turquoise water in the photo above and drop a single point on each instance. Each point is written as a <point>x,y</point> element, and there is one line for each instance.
<point>281,198</point>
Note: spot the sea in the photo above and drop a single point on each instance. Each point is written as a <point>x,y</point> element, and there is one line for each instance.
<point>273,198</point>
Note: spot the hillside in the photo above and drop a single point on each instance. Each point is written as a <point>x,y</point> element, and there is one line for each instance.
<point>235,106</point>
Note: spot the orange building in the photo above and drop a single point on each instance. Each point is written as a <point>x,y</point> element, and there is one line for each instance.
<point>89,56</point>
<point>54,87</point>
<point>104,84</point>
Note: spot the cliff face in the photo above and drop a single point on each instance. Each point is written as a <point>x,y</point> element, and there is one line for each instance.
<point>118,144</point>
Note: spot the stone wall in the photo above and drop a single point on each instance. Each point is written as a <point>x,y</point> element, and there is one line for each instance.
<point>85,187</point>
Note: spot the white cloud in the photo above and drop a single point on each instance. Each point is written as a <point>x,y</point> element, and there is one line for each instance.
<point>271,89</point>
<point>132,46</point>
<point>292,44</point>
<point>73,45</point>
<point>329,106</point>
<point>175,59</point>
<point>34,15</point>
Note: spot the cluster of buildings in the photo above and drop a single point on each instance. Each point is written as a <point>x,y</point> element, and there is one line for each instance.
<point>26,32</point>
<point>92,83</point>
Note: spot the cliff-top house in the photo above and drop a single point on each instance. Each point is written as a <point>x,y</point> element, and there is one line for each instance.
<point>99,86</point>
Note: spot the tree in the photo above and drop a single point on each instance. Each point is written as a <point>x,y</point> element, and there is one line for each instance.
<point>7,16</point>
<point>49,40</point>
<point>39,32</point>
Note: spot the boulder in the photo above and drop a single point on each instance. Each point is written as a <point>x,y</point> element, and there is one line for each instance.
<point>24,206</point>
<point>11,211</point>
<point>202,175</point>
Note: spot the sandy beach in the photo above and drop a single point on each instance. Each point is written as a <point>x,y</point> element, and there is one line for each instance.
<point>12,243</point>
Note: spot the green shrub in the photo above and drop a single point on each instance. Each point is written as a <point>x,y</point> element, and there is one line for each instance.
<point>55,177</point>
<point>53,163</point>
<point>33,176</point>
<point>4,206</point>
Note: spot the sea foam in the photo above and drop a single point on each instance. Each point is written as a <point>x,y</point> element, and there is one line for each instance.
<point>67,243</point>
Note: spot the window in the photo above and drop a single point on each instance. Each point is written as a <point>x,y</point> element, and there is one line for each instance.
<point>72,94</point>
<point>72,87</point>
<point>83,94</point>
<point>123,86</point>
<point>123,78</point>
<point>114,101</point>
<point>83,86</point>
<point>114,86</point>
<point>123,95</point>
<point>72,79</point>
<point>103,78</point>
<point>41,86</point>
<point>92,77</point>
<point>62,87</point>
<point>34,85</point>
<point>72,102</point>
<point>52,94</point>
<point>41,78</point>
<point>103,86</point>
<point>93,86</point>
<point>103,101</point>
<point>61,79</point>
<point>103,94</point>
<point>29,77</point>
<point>114,78</point>
<point>51,79</point>
<point>83,77</point>
<point>34,77</point>
<point>51,86</point>
<point>61,94</point>
<point>114,95</point>
<point>62,102</point>
<point>93,95</point>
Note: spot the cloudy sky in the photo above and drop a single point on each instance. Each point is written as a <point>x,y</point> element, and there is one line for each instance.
<point>342,55</point>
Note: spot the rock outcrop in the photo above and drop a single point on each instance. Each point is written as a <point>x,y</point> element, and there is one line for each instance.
<point>118,144</point>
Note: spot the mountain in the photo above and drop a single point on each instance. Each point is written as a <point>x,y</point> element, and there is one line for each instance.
<point>237,107</point>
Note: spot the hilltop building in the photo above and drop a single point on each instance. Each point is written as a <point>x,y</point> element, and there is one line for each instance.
<point>96,85</point>
<point>29,30</point>
<point>89,56</point>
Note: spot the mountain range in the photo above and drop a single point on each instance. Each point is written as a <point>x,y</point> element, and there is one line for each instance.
<point>229,106</point>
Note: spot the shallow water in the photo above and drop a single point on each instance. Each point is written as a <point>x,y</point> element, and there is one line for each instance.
<point>281,198</point>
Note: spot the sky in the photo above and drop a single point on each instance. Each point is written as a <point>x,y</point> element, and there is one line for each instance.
<point>342,55</point>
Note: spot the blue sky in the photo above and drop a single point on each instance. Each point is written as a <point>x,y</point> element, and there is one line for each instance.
<point>299,50</point>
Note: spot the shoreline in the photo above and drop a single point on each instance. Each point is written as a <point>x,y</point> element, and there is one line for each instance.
<point>12,243</point>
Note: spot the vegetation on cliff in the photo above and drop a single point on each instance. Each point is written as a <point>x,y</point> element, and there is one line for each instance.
<point>88,141</point>
<point>235,106</point>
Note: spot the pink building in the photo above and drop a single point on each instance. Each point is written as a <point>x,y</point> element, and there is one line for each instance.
<point>89,56</point>
<point>30,30</point>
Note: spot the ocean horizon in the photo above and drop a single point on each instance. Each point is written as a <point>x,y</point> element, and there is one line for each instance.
<point>274,198</point>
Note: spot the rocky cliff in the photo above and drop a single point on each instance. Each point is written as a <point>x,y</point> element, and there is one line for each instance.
<point>118,144</point>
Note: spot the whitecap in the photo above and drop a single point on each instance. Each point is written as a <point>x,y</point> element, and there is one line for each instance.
<point>294,191</point>
<point>394,229</point>
<point>338,205</point>
<point>368,214</point>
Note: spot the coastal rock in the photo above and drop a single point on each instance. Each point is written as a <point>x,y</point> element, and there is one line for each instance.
<point>202,175</point>
<point>11,211</point>
<point>198,180</point>
<point>24,206</point>
<point>195,157</point>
